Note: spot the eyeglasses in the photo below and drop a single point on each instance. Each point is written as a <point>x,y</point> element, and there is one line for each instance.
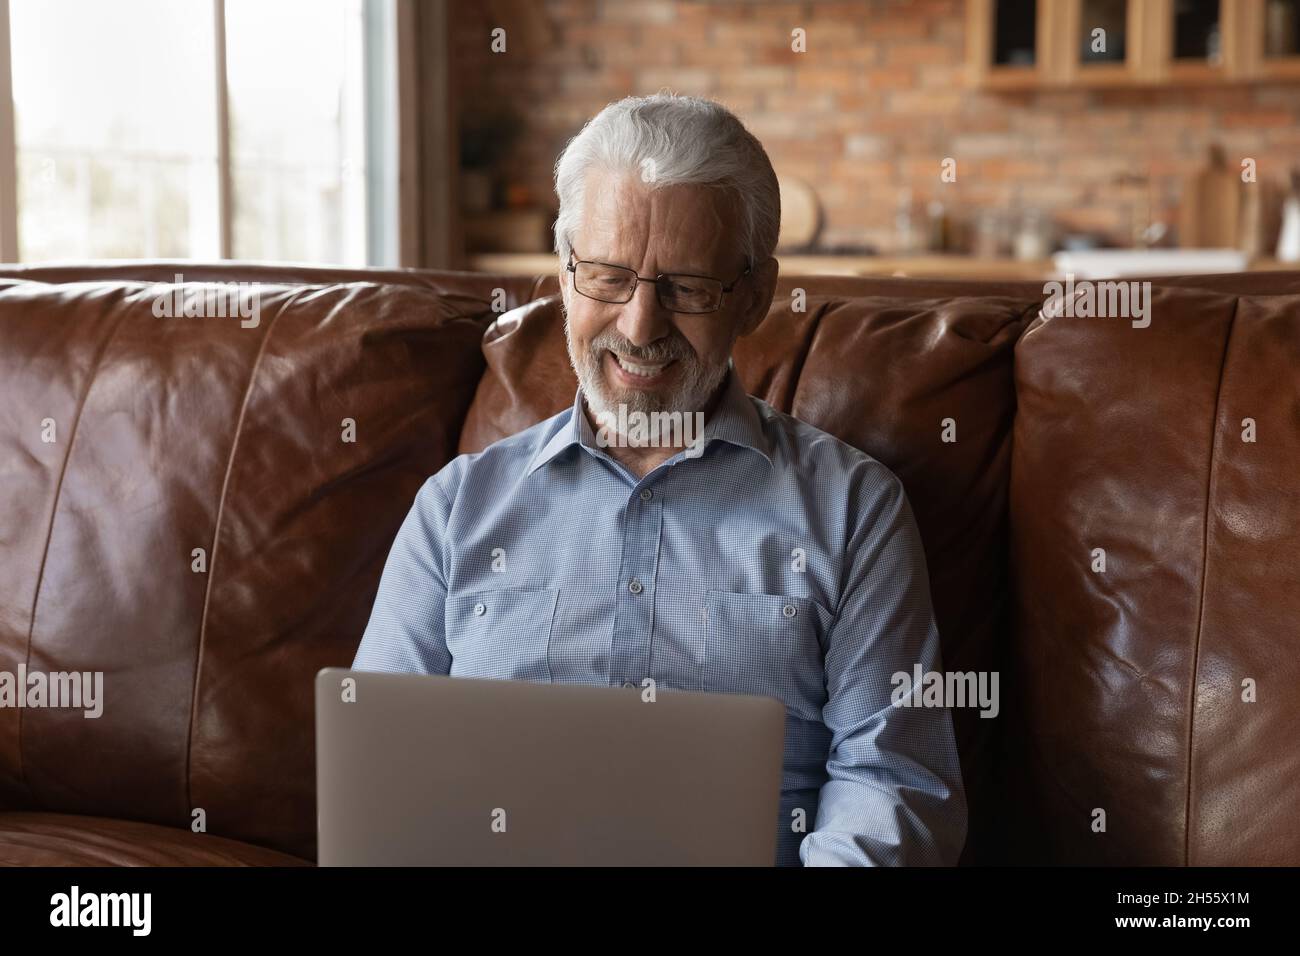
<point>677,292</point>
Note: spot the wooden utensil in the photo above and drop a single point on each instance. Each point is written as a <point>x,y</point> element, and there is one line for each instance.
<point>800,214</point>
<point>1210,213</point>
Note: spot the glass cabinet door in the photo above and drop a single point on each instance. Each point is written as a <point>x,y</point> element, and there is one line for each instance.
<point>1009,42</point>
<point>1015,26</point>
<point>1101,37</point>
<point>1196,41</point>
<point>1278,26</point>
<point>1197,32</point>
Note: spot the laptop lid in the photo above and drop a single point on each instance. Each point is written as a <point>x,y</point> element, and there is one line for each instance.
<point>416,770</point>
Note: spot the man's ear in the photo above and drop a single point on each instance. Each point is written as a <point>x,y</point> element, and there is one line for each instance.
<point>762,285</point>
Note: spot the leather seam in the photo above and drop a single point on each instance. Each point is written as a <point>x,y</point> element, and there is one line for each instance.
<point>49,532</point>
<point>796,373</point>
<point>1205,563</point>
<point>216,538</point>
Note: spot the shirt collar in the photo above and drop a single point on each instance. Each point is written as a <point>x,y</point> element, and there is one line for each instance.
<point>735,420</point>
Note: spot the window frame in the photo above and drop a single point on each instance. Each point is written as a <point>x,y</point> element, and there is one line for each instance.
<point>382,97</point>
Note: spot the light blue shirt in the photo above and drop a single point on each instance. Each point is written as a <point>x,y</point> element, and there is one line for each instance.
<point>780,561</point>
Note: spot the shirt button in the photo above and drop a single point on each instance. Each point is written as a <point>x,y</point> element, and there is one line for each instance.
<point>789,610</point>
<point>627,684</point>
<point>480,609</point>
<point>634,586</point>
<point>646,494</point>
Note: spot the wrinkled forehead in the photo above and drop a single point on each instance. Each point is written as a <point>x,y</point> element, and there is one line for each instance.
<point>678,228</point>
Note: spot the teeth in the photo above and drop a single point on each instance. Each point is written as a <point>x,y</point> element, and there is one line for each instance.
<point>645,371</point>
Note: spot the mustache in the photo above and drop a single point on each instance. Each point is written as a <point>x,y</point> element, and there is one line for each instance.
<point>657,352</point>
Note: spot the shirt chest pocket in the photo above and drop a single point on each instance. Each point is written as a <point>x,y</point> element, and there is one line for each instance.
<point>766,644</point>
<point>502,634</point>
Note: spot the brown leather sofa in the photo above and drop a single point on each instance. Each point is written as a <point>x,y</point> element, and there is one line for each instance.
<point>179,510</point>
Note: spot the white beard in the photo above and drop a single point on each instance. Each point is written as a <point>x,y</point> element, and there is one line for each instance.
<point>696,386</point>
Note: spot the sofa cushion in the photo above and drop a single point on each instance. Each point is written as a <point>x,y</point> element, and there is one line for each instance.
<point>60,839</point>
<point>882,374</point>
<point>130,443</point>
<point>1130,692</point>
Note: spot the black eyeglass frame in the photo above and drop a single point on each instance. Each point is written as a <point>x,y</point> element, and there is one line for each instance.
<point>726,288</point>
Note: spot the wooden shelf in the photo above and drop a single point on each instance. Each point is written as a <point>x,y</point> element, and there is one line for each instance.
<point>920,267</point>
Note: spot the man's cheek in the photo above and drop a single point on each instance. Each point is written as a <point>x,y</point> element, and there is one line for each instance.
<point>708,358</point>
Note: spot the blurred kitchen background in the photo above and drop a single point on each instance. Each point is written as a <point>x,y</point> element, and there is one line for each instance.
<point>1063,138</point>
<point>1092,136</point>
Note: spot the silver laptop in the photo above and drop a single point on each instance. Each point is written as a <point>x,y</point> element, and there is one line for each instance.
<point>416,770</point>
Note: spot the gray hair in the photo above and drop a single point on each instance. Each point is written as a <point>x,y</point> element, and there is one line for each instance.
<point>688,139</point>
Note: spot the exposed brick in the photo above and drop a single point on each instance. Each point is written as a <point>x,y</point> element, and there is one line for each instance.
<point>823,79</point>
<point>891,78</point>
<point>946,102</point>
<point>639,11</point>
<point>867,146</point>
<point>803,103</point>
<point>824,34</point>
<point>913,54</point>
<point>1260,118</point>
<point>789,125</point>
<point>873,106</point>
<point>898,28</point>
<point>858,170</point>
<point>755,78</point>
<point>697,82</point>
<point>750,34</point>
<point>926,170</point>
<point>941,77</point>
<point>778,55</point>
<point>744,104</point>
<point>1010,169</point>
<point>976,145</point>
<point>795,14</point>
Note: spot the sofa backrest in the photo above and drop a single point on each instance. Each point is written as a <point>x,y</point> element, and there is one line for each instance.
<point>199,509</point>
<point>1155,518</point>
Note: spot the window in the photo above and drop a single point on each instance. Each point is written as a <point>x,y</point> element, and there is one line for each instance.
<point>113,161</point>
<point>297,143</point>
<point>136,138</point>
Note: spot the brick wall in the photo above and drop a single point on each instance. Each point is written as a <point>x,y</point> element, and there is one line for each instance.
<point>874,105</point>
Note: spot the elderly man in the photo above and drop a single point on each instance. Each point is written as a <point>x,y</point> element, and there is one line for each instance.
<point>759,556</point>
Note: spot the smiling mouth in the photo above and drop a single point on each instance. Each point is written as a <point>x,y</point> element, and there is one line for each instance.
<point>641,370</point>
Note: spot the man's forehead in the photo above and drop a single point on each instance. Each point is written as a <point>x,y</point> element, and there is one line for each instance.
<point>680,226</point>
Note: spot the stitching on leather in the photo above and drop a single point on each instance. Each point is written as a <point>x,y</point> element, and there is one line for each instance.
<point>1205,563</point>
<point>216,538</point>
<point>802,360</point>
<point>49,531</point>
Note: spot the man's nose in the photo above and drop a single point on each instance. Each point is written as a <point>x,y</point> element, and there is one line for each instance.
<point>643,320</point>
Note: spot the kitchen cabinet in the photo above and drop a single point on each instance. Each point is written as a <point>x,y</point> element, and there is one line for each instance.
<point>1272,31</point>
<point>1031,44</point>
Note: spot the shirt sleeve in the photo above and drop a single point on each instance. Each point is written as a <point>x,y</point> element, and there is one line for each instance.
<point>407,628</point>
<point>894,796</point>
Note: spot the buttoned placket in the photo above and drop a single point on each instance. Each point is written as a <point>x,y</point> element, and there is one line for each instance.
<point>629,660</point>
